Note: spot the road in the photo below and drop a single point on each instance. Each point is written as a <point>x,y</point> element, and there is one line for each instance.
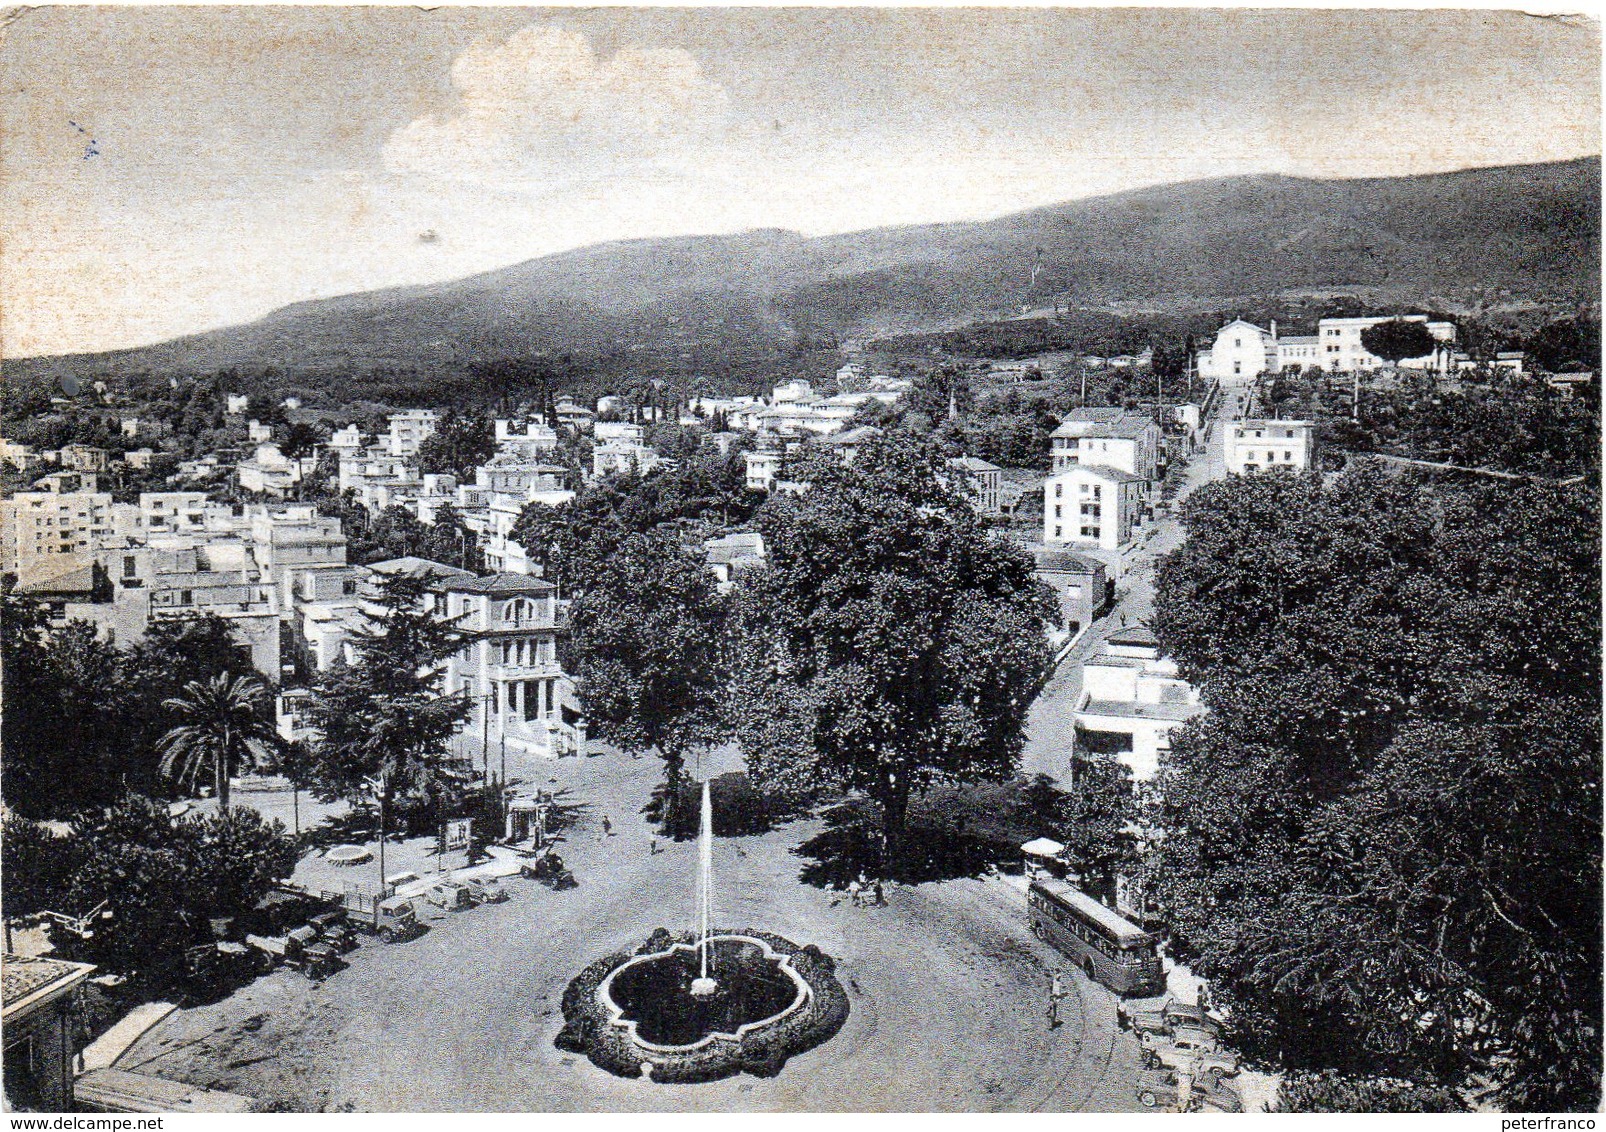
<point>948,987</point>
<point>1051,726</point>
<point>948,990</point>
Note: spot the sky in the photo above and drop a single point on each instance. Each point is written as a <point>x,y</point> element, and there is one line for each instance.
<point>168,170</point>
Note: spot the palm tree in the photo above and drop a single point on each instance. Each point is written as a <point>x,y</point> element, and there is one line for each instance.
<point>223,728</point>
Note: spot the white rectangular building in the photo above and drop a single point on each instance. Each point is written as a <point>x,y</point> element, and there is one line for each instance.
<point>1091,505</point>
<point>1266,445</point>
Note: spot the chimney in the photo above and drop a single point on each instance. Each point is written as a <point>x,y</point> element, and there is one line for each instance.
<point>1274,330</point>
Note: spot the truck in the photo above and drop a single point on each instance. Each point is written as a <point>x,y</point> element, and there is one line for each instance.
<point>391,918</point>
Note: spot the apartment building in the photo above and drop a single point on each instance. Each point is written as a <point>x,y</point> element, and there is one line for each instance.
<point>1092,505</point>
<point>1267,445</point>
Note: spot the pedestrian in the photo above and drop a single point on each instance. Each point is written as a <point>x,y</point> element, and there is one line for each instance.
<point>856,893</point>
<point>880,894</point>
<point>1056,994</point>
<point>607,828</point>
<point>652,847</point>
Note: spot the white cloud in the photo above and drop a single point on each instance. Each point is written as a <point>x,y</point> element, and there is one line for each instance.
<point>542,109</point>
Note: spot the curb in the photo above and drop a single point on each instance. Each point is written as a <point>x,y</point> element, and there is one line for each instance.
<point>103,1052</point>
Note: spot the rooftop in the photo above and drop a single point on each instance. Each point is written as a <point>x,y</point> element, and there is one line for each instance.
<point>1127,428</point>
<point>496,585</point>
<point>26,977</point>
<point>972,464</point>
<point>1113,475</point>
<point>1064,560</point>
<point>1127,709</point>
<point>418,568</point>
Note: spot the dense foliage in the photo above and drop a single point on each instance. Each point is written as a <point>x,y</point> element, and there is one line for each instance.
<point>385,723</point>
<point>84,719</point>
<point>161,879</point>
<point>1383,840</point>
<point>890,642</point>
<point>573,541</point>
<point>647,649</point>
<point>1331,1092</point>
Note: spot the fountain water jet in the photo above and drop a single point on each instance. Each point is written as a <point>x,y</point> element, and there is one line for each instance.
<point>659,1013</point>
<point>704,986</point>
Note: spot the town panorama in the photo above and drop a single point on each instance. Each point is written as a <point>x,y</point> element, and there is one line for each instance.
<point>613,560</point>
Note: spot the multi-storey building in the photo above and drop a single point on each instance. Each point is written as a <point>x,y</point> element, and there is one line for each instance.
<point>1092,505</point>
<point>979,481</point>
<point>34,524</point>
<point>173,512</point>
<point>409,430</point>
<point>527,441</point>
<point>508,666</point>
<point>1343,351</point>
<point>1132,699</point>
<point>1267,445</point>
<point>616,457</point>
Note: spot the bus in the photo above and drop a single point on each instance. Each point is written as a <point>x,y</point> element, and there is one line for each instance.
<point>1109,948</point>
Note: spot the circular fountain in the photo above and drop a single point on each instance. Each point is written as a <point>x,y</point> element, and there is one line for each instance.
<point>704,1004</point>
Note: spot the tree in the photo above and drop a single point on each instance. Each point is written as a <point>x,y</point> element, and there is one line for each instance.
<point>223,729</point>
<point>385,719</point>
<point>1331,1092</point>
<point>459,444</point>
<point>891,630</point>
<point>647,650</point>
<point>1382,840</point>
<point>1398,339</point>
<point>300,438</point>
<point>162,879</point>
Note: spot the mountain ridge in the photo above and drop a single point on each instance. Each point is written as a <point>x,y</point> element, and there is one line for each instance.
<point>1532,229</point>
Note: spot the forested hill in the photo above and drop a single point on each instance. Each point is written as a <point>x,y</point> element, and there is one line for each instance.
<point>1531,230</point>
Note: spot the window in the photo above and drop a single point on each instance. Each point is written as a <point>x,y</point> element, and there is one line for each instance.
<point>1057,510</point>
<point>1084,488</point>
<point>1090,532</point>
<point>128,565</point>
<point>1237,342</point>
<point>1097,491</point>
<point>1057,532</point>
<point>184,597</point>
<point>1237,367</point>
<point>1059,490</point>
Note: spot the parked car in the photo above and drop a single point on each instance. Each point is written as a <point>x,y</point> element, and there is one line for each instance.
<point>1167,1017</point>
<point>1193,1016</point>
<point>1157,1087</point>
<point>333,930</point>
<point>486,891</point>
<point>1190,1049</point>
<point>450,895</point>
<point>550,870</point>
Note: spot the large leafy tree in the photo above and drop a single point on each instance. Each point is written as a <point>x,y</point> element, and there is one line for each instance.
<point>459,444</point>
<point>74,700</point>
<point>221,728</point>
<point>889,631</point>
<point>162,879</point>
<point>1398,339</point>
<point>385,719</point>
<point>647,647</point>
<point>1383,839</point>
<point>574,541</point>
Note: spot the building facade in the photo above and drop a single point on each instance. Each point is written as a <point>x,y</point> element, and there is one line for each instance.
<point>1267,445</point>
<point>1092,505</point>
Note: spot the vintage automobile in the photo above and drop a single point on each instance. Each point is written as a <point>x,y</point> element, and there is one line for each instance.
<point>1188,1049</point>
<point>1159,1087</point>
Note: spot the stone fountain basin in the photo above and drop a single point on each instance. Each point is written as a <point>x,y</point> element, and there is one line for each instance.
<point>615,1013</point>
